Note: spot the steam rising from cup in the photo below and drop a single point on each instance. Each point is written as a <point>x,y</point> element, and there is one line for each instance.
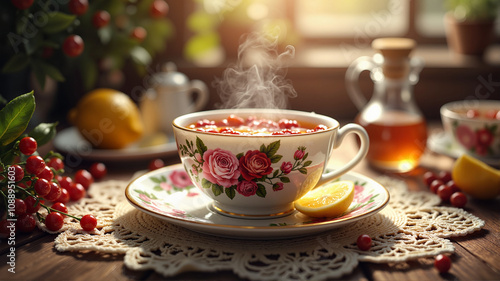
<point>257,79</point>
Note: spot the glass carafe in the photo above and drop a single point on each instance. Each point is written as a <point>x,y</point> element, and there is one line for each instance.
<point>395,125</point>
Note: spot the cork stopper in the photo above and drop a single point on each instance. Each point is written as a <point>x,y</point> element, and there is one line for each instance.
<point>396,52</point>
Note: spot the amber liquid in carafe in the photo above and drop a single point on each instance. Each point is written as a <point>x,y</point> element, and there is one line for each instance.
<point>397,140</point>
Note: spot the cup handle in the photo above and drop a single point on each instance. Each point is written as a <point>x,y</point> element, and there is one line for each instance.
<point>363,150</point>
<point>198,87</point>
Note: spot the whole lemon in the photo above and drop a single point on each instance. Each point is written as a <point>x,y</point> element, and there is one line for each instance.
<point>107,118</point>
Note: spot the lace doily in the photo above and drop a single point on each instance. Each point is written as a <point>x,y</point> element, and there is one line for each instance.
<point>412,226</point>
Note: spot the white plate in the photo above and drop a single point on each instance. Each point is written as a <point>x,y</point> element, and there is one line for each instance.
<point>168,194</point>
<point>70,141</point>
<point>440,142</point>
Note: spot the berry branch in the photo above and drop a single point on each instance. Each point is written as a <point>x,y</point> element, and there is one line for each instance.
<point>28,181</point>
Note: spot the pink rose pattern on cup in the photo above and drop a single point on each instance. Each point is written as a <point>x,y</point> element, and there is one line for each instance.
<point>478,141</point>
<point>246,173</point>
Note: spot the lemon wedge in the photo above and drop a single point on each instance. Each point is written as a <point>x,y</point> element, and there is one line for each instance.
<point>476,178</point>
<point>329,200</point>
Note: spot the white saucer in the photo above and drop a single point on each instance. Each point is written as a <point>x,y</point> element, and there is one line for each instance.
<point>168,194</point>
<point>70,141</point>
<point>442,143</point>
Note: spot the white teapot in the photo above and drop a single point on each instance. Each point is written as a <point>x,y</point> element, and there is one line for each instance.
<point>171,95</point>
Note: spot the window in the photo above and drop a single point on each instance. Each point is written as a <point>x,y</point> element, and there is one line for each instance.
<point>340,18</point>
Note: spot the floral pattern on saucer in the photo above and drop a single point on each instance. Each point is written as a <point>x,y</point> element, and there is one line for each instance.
<point>168,194</point>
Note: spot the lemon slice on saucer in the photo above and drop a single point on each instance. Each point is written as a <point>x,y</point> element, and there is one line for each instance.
<point>328,200</point>
<point>476,178</point>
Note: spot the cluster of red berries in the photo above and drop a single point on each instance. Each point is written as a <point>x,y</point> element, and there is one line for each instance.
<point>31,184</point>
<point>443,185</point>
<point>73,45</point>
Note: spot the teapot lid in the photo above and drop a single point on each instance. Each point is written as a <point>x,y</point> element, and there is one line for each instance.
<point>169,77</point>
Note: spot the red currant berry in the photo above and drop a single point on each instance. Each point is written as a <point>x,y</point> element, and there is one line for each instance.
<point>65,182</point>
<point>445,176</point>
<point>60,207</point>
<point>442,263</point>
<point>34,164</point>
<point>139,34</point>
<point>88,222</point>
<point>100,19</point>
<point>27,145</point>
<point>54,221</point>
<point>78,7</point>
<point>25,223</point>
<point>159,9</point>
<point>435,184</point>
<point>18,173</point>
<point>98,170</point>
<point>155,164</point>
<point>64,197</point>
<point>22,4</point>
<point>444,192</point>
<point>42,187</point>
<point>32,206</point>
<point>429,177</point>
<point>76,191</point>
<point>19,207</point>
<point>56,163</point>
<point>55,192</point>
<point>458,199</point>
<point>46,173</point>
<point>453,186</point>
<point>73,45</point>
<point>84,178</point>
<point>364,242</point>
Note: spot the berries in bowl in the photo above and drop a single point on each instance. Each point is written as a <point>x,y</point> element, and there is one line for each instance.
<point>474,125</point>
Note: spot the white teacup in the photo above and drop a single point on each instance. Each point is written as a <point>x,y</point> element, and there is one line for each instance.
<point>260,176</point>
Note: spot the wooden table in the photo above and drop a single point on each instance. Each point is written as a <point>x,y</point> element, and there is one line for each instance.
<point>476,257</point>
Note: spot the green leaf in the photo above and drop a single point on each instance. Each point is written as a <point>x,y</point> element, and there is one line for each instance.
<point>231,192</point>
<point>200,146</point>
<point>275,158</point>
<point>15,116</point>
<point>217,189</point>
<point>285,179</point>
<point>51,71</point>
<point>57,22</point>
<point>155,180</point>
<point>157,188</point>
<point>272,148</point>
<point>261,190</point>
<point>205,183</point>
<point>16,63</point>
<point>263,149</point>
<point>303,171</point>
<point>275,173</point>
<point>307,163</point>
<point>43,133</point>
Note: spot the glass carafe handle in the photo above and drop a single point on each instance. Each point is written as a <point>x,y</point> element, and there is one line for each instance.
<point>352,80</point>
